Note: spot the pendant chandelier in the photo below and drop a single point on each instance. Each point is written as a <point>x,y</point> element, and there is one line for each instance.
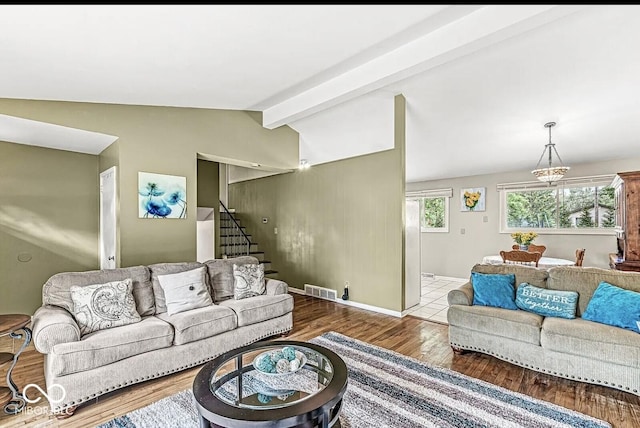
<point>550,172</point>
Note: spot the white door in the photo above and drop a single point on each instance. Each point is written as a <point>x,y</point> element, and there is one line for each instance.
<point>412,257</point>
<point>108,219</point>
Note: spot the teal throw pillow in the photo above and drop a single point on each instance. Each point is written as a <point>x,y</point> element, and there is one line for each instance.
<point>496,290</point>
<point>549,303</point>
<point>614,306</point>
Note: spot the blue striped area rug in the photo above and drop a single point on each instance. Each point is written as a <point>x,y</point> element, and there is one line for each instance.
<point>387,389</point>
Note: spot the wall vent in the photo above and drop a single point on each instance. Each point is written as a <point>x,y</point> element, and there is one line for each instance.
<point>320,292</point>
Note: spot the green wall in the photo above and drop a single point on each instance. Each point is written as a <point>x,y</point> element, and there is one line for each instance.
<point>164,140</point>
<point>209,195</point>
<point>337,222</point>
<point>49,216</point>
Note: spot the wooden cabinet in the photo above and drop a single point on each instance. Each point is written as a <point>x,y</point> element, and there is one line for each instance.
<point>627,211</point>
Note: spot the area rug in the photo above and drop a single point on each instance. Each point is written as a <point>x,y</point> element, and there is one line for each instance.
<point>387,389</point>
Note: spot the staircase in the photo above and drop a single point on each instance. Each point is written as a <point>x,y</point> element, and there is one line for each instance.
<point>235,241</point>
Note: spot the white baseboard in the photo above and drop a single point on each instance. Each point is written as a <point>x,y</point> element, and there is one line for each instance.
<point>355,304</point>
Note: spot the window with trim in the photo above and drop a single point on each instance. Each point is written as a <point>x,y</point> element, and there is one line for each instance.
<point>579,205</point>
<point>434,209</point>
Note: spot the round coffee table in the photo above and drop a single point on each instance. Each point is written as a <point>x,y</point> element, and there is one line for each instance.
<point>231,393</point>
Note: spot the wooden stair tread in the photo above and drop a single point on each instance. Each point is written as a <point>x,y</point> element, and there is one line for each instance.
<point>270,271</point>
<point>262,262</point>
<point>5,357</point>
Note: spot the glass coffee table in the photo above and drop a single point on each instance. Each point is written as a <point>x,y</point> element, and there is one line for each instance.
<point>237,389</point>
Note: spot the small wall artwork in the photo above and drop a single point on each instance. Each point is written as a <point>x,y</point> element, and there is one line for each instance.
<point>162,196</point>
<point>472,199</point>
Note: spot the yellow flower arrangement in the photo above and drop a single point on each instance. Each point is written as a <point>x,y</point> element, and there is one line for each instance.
<point>471,199</point>
<point>524,238</point>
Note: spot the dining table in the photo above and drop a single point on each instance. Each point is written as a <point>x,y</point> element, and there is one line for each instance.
<point>544,262</point>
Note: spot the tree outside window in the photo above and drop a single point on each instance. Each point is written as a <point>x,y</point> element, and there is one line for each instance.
<point>434,212</point>
<point>575,207</point>
<point>434,208</point>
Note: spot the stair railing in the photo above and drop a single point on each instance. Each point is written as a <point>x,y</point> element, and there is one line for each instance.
<point>240,242</point>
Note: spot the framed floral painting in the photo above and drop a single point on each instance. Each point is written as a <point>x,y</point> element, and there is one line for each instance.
<point>473,199</point>
<point>161,196</point>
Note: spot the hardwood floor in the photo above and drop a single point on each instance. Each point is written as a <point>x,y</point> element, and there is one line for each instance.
<point>410,336</point>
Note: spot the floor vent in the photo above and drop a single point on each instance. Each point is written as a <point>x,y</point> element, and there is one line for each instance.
<point>320,292</point>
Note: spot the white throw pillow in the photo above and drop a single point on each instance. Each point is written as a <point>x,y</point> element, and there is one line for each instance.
<point>101,306</point>
<point>185,290</point>
<point>248,281</point>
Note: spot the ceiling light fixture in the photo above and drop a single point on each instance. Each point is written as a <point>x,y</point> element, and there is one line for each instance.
<point>304,164</point>
<point>550,173</point>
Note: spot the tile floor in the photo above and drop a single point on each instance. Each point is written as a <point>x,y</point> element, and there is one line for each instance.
<point>433,303</point>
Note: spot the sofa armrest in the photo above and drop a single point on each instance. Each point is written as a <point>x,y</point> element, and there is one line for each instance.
<point>53,325</point>
<point>462,295</point>
<point>275,287</point>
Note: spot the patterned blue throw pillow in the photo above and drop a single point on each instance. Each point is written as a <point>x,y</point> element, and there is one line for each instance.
<point>497,290</point>
<point>614,306</point>
<point>549,303</point>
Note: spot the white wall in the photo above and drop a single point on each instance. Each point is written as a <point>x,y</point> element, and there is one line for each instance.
<point>205,238</point>
<point>454,254</point>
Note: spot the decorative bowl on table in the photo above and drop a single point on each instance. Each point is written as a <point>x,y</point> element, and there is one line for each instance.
<point>280,362</point>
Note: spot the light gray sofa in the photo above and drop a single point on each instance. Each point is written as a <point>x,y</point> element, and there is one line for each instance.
<point>575,349</point>
<point>103,361</point>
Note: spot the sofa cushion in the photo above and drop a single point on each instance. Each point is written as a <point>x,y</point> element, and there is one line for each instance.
<point>107,346</point>
<point>592,340</point>
<point>260,308</point>
<point>184,291</point>
<point>200,323</point>
<point>528,274</point>
<point>166,269</point>
<point>57,290</point>
<point>221,275</point>
<point>614,306</point>
<point>494,289</point>
<point>550,303</point>
<point>101,306</point>
<point>585,280</point>
<point>248,281</point>
<point>517,325</point>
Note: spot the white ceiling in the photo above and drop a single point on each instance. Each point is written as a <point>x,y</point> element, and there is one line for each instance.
<point>480,81</point>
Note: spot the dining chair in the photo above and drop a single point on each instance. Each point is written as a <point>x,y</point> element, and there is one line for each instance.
<point>579,256</point>
<point>532,248</point>
<point>521,257</point>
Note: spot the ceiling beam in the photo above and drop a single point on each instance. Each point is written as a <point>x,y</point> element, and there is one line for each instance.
<point>462,30</point>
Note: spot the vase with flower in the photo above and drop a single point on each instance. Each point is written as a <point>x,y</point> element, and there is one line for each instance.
<point>523,239</point>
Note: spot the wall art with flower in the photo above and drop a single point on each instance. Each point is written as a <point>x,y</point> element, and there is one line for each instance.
<point>162,196</point>
<point>472,199</point>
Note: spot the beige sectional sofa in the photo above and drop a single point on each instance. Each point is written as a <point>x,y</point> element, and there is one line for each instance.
<point>575,349</point>
<point>105,360</point>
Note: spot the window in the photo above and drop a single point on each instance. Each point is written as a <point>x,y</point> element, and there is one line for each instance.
<point>580,205</point>
<point>434,209</point>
